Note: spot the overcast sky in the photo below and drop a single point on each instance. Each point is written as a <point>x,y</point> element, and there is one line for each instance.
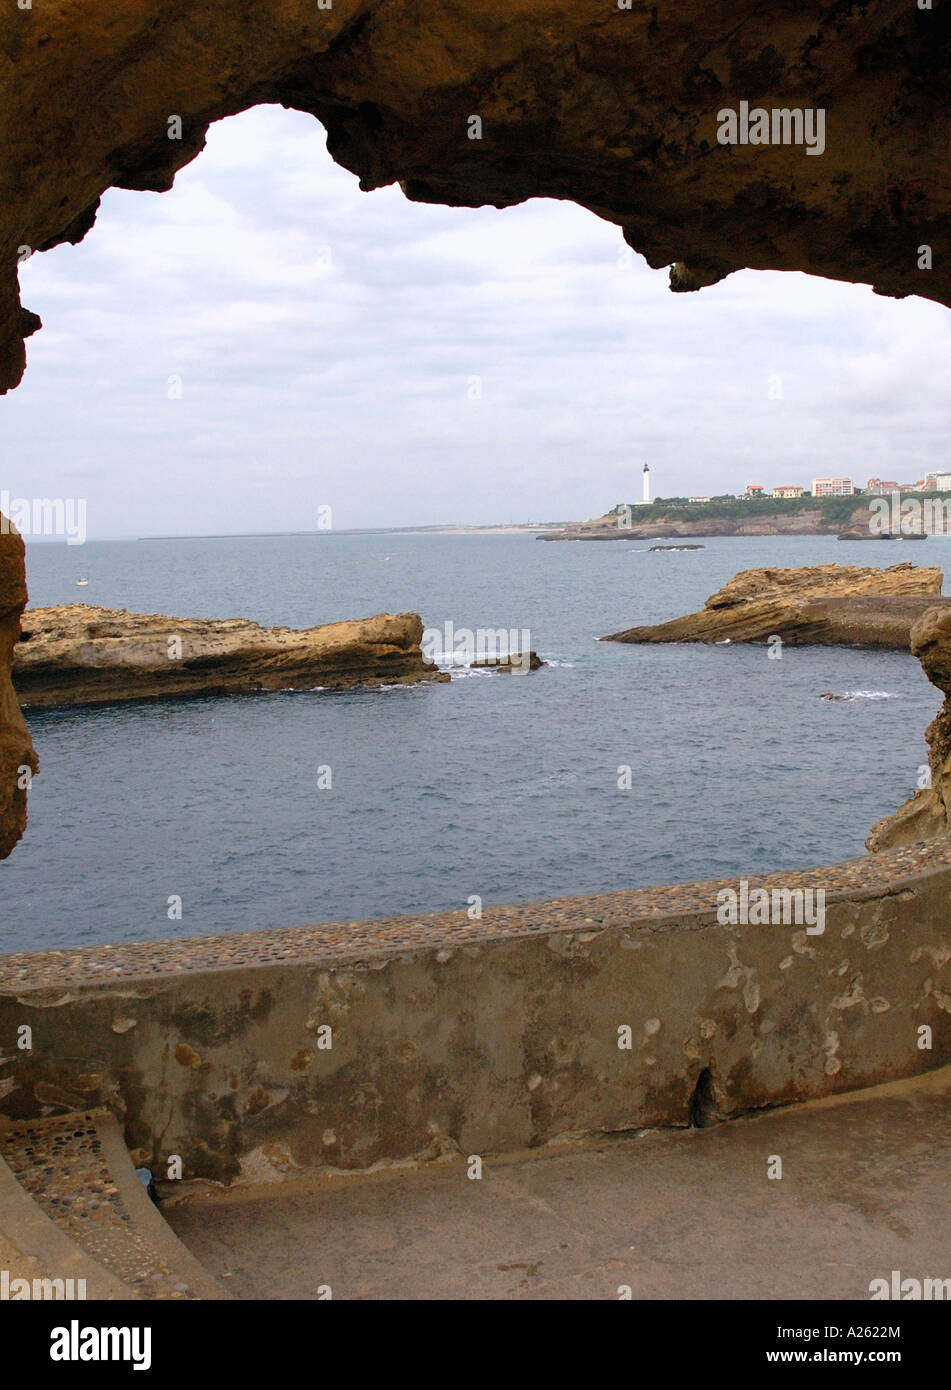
<point>331,345</point>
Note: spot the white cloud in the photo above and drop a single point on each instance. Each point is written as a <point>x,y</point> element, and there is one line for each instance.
<point>310,379</point>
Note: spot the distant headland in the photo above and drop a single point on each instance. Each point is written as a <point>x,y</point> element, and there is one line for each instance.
<point>849,517</point>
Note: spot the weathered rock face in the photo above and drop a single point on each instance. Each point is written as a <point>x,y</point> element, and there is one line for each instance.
<point>615,109</point>
<point>928,812</point>
<point>79,654</point>
<point>16,749</point>
<point>862,532</point>
<point>517,662</point>
<point>834,605</point>
<point>832,580</point>
<point>614,526</point>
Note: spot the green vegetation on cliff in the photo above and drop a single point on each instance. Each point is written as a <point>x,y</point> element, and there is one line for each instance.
<point>835,510</point>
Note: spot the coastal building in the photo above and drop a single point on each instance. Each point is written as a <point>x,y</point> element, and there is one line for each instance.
<point>938,482</point>
<point>832,487</point>
<point>921,485</point>
<point>787,490</point>
<point>754,490</point>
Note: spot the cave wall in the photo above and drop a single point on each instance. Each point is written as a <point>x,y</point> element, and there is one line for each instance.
<point>18,760</point>
<point>615,109</point>
<point>926,814</point>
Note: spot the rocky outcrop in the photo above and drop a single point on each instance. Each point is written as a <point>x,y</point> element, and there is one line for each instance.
<point>866,533</point>
<point>77,654</point>
<point>928,812</point>
<point>518,662</point>
<point>614,107</point>
<point>858,533</point>
<point>619,526</point>
<point>834,605</point>
<point>18,760</point>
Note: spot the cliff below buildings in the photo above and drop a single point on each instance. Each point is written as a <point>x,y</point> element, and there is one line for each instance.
<point>77,654</point>
<point>847,518</point>
<point>668,525</point>
<point>832,605</point>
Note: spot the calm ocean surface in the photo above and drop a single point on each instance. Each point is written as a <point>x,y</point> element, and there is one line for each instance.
<point>498,785</point>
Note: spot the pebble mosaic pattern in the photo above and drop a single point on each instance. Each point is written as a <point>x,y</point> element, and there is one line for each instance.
<point>347,943</point>
<point>59,1163</point>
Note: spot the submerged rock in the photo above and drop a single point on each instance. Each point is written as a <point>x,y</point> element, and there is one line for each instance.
<point>78,654</point>
<point>858,533</point>
<point>832,605</point>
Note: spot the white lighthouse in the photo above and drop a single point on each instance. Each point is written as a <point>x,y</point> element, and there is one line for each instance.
<point>647,485</point>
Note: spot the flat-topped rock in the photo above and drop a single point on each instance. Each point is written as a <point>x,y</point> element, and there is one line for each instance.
<point>519,662</point>
<point>78,654</point>
<point>834,605</point>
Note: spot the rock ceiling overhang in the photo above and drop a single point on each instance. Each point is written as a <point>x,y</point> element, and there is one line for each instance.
<point>614,108</point>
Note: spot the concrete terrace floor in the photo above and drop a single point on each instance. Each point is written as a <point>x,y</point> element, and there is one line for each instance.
<point>682,1214</point>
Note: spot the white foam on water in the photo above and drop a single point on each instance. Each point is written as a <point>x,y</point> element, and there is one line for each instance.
<point>862,695</point>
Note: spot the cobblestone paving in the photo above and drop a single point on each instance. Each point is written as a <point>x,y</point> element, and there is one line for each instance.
<point>345,943</point>
<point>59,1163</point>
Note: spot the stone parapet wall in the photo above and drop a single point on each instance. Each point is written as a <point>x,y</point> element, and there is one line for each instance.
<point>416,1037</point>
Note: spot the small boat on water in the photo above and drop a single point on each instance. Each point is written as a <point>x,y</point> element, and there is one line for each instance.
<point>82,582</point>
